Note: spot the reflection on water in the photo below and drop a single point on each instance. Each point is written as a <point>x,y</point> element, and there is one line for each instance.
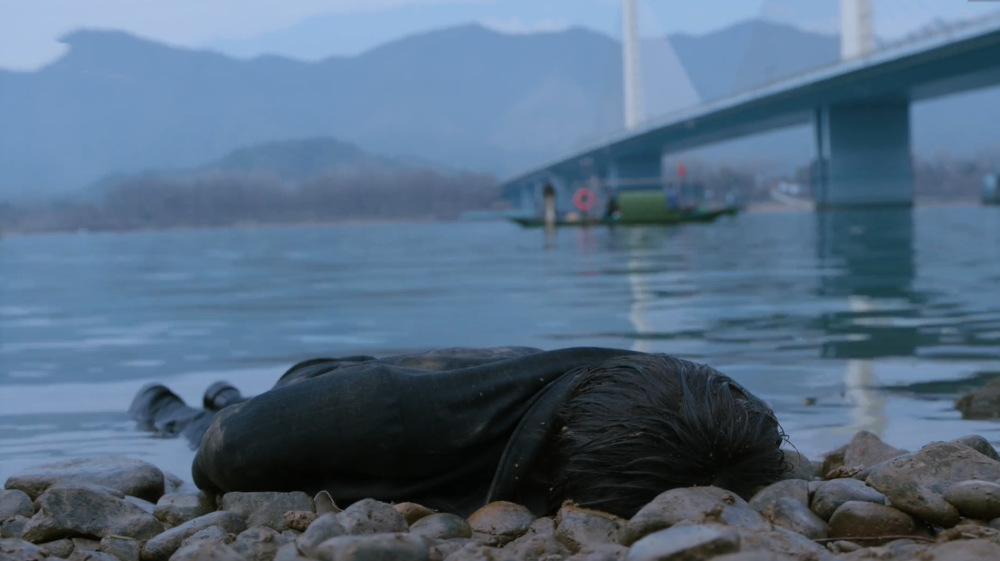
<point>874,250</point>
<point>841,321</point>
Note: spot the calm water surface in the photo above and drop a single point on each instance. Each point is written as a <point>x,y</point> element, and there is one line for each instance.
<point>844,321</point>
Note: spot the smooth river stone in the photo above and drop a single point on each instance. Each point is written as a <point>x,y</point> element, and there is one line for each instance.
<point>266,509</point>
<point>831,494</point>
<point>500,522</point>
<point>161,547</point>
<point>914,483</point>
<point>369,516</point>
<point>696,505</point>
<point>412,511</point>
<point>531,547</point>
<point>68,511</point>
<point>176,509</point>
<point>442,526</point>
<point>694,542</point>
<point>15,503</point>
<point>259,543</point>
<point>380,547</point>
<point>791,514</point>
<point>127,475</point>
<point>797,489</point>
<point>578,527</point>
<point>975,499</point>
<point>325,527</point>
<point>859,519</point>
<point>866,450</point>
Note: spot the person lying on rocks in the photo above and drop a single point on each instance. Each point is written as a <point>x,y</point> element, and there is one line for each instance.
<point>455,429</point>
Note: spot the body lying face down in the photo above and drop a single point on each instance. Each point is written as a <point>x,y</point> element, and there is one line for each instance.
<point>458,428</point>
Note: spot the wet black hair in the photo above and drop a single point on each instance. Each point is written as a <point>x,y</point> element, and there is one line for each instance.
<point>638,425</point>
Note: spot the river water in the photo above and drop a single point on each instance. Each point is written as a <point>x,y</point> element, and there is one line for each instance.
<point>842,321</point>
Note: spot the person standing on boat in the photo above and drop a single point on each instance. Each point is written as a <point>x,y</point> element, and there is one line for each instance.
<point>611,203</point>
<point>673,198</point>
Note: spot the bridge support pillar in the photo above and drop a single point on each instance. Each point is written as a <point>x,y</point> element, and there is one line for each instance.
<point>644,171</point>
<point>864,155</point>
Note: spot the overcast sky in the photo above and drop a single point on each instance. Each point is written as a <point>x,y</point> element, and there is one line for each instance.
<point>312,29</point>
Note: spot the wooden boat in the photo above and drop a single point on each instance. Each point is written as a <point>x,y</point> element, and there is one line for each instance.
<point>696,215</point>
<point>637,207</point>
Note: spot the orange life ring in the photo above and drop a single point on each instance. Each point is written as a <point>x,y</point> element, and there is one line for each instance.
<point>584,199</point>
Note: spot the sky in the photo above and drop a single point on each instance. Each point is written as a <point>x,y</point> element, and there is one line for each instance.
<point>313,29</point>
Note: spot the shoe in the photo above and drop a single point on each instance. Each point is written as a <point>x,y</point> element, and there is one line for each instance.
<point>152,401</point>
<point>220,395</point>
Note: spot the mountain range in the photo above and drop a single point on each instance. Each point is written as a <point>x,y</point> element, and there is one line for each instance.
<point>464,98</point>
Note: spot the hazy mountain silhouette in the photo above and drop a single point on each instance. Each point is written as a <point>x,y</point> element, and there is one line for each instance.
<point>464,97</point>
<point>289,160</point>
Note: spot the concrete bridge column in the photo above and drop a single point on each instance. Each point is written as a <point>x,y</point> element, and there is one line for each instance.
<point>864,155</point>
<point>643,171</point>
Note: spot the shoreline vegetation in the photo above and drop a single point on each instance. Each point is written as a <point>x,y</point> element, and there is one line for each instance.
<point>262,189</point>
<point>753,208</point>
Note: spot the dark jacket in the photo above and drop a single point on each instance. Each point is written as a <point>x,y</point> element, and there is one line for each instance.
<point>452,429</point>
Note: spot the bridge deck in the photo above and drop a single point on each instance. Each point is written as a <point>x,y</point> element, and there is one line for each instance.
<point>958,60</point>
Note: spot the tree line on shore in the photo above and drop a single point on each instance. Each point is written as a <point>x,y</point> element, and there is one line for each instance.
<point>218,198</point>
<point>222,199</point>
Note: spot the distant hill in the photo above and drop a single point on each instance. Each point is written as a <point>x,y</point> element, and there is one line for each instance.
<point>463,98</point>
<point>288,160</point>
<point>300,159</point>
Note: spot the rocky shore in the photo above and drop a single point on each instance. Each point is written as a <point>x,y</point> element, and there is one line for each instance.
<point>866,500</point>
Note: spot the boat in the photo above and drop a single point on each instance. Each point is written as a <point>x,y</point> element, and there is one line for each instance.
<point>991,189</point>
<point>695,215</point>
<point>638,207</point>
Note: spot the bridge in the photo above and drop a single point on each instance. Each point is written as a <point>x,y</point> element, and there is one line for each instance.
<point>859,109</point>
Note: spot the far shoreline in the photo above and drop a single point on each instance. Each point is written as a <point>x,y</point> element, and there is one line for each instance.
<point>753,208</point>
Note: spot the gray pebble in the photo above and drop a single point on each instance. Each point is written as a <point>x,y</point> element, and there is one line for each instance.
<point>534,547</point>
<point>794,515</point>
<point>831,494</point>
<point>259,543</point>
<point>176,509</point>
<point>369,516</point>
<point>323,528</point>
<point>127,475</point>
<point>975,499</point>
<point>442,526</point>
<point>695,505</point>
<point>693,542</point>
<point>979,444</point>
<point>20,550</point>
<point>122,548</point>
<point>206,550</point>
<point>13,527</point>
<point>797,489</point>
<point>59,548</point>
<point>578,527</point>
<point>914,483</point>
<point>15,503</point>
<point>856,519</point>
<point>499,523</point>
<point>213,533</point>
<point>266,509</point>
<point>161,547</point>
<point>381,547</point>
<point>85,555</point>
<point>80,511</point>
